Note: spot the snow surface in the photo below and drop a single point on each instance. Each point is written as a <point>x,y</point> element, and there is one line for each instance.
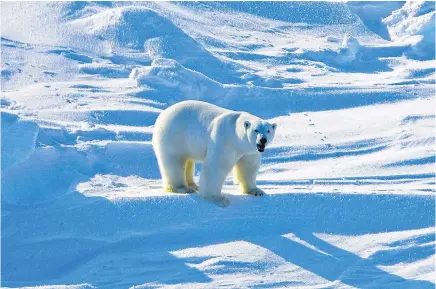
<point>350,176</point>
<point>415,23</point>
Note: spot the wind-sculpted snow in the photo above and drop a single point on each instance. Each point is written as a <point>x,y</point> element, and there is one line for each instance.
<point>349,177</point>
<point>20,141</point>
<point>169,75</point>
<point>414,23</point>
<point>126,26</point>
<point>143,29</point>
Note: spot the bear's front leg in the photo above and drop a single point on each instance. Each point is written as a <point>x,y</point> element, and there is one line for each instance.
<point>213,174</point>
<point>245,173</point>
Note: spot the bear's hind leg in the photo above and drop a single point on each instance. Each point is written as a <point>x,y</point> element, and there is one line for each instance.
<point>173,175</point>
<point>190,172</point>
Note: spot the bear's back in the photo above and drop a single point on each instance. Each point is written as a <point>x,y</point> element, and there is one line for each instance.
<point>187,126</point>
<point>192,113</point>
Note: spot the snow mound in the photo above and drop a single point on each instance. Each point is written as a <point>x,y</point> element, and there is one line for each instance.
<point>18,140</point>
<point>33,160</point>
<point>23,165</point>
<point>372,13</point>
<point>348,54</point>
<point>143,29</point>
<point>191,54</point>
<point>350,49</point>
<point>126,26</point>
<point>414,23</point>
<point>169,75</point>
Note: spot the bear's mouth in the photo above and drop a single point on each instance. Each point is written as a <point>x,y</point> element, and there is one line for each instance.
<point>260,148</point>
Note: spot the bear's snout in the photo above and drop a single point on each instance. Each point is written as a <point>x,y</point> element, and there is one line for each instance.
<point>261,144</point>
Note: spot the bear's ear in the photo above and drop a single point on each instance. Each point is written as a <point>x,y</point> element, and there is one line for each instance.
<point>247,124</point>
<point>274,125</point>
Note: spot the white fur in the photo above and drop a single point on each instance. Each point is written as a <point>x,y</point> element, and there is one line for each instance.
<point>196,131</point>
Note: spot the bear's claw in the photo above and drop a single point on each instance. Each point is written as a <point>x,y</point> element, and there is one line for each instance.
<point>255,192</point>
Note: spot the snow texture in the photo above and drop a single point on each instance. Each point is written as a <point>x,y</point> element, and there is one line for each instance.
<point>415,23</point>
<point>349,178</point>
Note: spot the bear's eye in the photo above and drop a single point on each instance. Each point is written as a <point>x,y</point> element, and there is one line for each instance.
<point>268,131</point>
<point>256,130</point>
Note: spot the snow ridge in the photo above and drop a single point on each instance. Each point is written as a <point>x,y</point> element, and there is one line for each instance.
<point>349,177</point>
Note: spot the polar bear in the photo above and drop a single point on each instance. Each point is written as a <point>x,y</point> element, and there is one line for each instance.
<point>196,131</point>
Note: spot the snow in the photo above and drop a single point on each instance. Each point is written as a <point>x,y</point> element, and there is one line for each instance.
<point>414,23</point>
<point>349,178</point>
<point>166,74</point>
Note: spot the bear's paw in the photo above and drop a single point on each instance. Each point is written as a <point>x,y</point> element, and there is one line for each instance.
<point>255,192</point>
<point>220,200</point>
<point>194,186</point>
<point>181,190</point>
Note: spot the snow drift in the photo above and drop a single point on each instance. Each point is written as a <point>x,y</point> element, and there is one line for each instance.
<point>143,29</point>
<point>349,177</point>
<point>414,23</point>
<point>168,74</point>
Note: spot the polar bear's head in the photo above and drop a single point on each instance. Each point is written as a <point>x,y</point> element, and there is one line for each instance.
<point>259,133</point>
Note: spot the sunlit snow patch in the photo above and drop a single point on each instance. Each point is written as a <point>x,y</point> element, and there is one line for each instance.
<point>414,23</point>
<point>409,254</point>
<point>249,264</point>
<point>115,187</point>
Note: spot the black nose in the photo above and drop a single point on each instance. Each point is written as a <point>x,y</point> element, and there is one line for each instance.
<point>263,141</point>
